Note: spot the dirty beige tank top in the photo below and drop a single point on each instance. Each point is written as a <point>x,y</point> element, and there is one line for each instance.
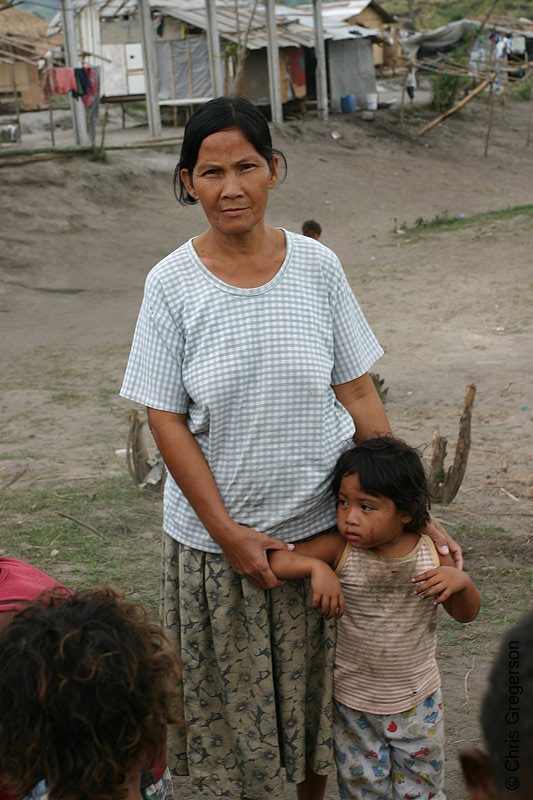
<point>386,640</point>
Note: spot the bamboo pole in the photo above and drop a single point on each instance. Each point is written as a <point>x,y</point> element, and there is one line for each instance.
<point>16,98</point>
<point>51,112</point>
<point>6,155</point>
<point>459,105</point>
<point>530,118</point>
<point>402,102</point>
<point>491,114</point>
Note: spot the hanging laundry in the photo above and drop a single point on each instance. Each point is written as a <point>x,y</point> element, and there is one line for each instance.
<point>91,84</point>
<point>49,87</point>
<point>91,100</point>
<point>64,80</point>
<point>83,81</point>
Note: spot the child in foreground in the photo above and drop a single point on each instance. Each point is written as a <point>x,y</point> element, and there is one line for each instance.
<point>388,583</point>
<point>87,687</point>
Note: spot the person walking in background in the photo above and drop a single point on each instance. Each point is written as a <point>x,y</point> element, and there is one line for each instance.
<point>410,82</point>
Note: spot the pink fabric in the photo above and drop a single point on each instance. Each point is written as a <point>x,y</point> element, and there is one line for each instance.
<point>65,80</point>
<point>88,98</point>
<point>20,583</point>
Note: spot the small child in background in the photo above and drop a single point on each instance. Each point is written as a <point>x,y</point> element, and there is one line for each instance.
<point>87,687</point>
<point>388,583</point>
<point>410,82</point>
<point>312,229</point>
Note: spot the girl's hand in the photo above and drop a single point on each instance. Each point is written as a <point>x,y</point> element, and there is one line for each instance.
<point>443,541</point>
<point>247,553</point>
<point>440,583</point>
<point>327,593</point>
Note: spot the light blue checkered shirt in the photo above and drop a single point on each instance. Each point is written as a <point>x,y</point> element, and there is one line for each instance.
<point>254,370</point>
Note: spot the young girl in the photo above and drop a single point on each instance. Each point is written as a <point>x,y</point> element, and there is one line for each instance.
<point>388,583</point>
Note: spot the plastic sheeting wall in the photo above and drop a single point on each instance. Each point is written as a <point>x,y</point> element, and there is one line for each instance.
<point>351,71</point>
<point>183,68</point>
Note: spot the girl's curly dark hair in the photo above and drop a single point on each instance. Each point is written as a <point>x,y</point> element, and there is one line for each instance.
<point>87,687</point>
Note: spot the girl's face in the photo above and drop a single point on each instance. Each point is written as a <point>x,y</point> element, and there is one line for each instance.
<point>231,181</point>
<point>365,520</point>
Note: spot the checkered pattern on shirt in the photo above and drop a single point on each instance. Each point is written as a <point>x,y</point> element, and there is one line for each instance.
<point>253,369</point>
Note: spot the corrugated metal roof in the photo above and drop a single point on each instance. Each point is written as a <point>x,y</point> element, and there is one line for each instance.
<point>295,25</point>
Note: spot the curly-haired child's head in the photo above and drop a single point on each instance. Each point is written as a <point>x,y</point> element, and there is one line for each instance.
<point>388,467</point>
<point>87,686</point>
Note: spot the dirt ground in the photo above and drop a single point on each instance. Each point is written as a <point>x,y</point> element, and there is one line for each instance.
<point>451,308</point>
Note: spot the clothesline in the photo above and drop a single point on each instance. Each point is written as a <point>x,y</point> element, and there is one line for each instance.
<point>79,81</point>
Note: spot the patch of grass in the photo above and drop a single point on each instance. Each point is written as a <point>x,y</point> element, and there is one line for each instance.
<point>445,221</point>
<point>124,551</point>
<point>522,90</point>
<point>502,569</point>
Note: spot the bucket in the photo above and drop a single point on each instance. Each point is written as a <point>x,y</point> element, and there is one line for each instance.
<point>372,102</point>
<point>347,103</point>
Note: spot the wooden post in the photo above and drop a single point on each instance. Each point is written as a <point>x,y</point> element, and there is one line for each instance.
<point>276,108</point>
<point>491,114</point>
<point>530,118</point>
<point>150,67</point>
<point>402,102</point>
<point>51,112</point>
<point>172,75</point>
<point>444,486</point>
<point>16,100</point>
<point>321,65</point>
<point>189,64</point>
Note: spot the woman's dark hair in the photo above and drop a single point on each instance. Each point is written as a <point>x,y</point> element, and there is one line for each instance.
<point>222,114</point>
<point>388,467</point>
<point>87,687</point>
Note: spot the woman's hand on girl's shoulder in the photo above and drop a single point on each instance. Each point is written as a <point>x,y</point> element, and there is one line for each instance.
<point>443,541</point>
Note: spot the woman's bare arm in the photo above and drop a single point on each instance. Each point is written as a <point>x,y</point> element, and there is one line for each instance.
<point>361,399</point>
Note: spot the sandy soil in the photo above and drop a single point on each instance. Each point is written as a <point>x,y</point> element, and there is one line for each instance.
<point>451,308</point>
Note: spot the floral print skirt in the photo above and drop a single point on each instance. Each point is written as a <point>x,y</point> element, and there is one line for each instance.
<point>257,677</point>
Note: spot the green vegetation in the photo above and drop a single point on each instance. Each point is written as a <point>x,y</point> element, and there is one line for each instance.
<point>445,221</point>
<point>96,531</point>
<point>522,90</point>
<point>433,13</point>
<point>502,571</point>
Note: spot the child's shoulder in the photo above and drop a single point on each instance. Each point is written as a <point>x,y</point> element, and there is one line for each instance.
<point>427,547</point>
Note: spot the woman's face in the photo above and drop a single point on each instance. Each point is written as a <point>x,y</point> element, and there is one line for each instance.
<point>231,181</point>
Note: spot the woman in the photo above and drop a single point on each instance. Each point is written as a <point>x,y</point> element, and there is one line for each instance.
<point>252,356</point>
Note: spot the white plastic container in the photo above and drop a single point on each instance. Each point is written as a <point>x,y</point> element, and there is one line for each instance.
<point>372,102</point>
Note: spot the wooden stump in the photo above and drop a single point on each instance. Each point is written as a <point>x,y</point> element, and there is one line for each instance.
<point>146,472</point>
<point>444,485</point>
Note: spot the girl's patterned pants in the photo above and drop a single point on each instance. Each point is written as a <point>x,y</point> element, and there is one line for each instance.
<point>385,756</point>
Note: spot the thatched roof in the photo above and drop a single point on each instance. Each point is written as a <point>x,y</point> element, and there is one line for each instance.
<point>24,27</point>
